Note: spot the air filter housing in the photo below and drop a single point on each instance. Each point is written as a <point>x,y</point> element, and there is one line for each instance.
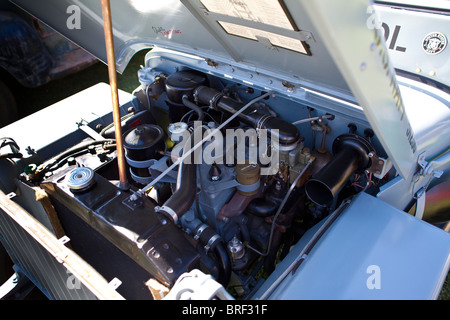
<point>143,145</point>
<point>178,85</point>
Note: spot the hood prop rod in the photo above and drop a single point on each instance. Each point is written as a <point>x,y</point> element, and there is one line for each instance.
<point>109,40</point>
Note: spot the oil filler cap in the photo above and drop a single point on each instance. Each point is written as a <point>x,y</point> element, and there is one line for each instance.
<point>248,176</point>
<point>80,179</point>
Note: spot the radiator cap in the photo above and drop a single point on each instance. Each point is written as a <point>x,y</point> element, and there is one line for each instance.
<point>80,179</point>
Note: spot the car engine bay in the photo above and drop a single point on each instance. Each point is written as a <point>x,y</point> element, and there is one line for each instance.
<point>274,150</point>
<point>198,197</point>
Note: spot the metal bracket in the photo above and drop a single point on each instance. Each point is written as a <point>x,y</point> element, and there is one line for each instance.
<point>82,125</point>
<point>266,43</point>
<point>427,168</point>
<point>64,239</point>
<point>134,201</point>
<point>115,283</point>
<point>420,203</point>
<point>377,163</point>
<point>11,195</point>
<point>425,171</point>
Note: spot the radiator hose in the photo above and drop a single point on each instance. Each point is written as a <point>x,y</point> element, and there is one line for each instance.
<point>186,187</point>
<point>213,242</point>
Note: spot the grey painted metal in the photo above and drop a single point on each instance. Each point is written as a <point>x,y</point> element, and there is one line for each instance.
<point>89,106</point>
<point>214,194</point>
<point>399,192</point>
<point>406,31</point>
<point>441,4</point>
<point>364,62</point>
<point>170,24</point>
<point>342,263</point>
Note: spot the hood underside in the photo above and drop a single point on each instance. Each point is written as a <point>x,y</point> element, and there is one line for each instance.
<point>263,34</point>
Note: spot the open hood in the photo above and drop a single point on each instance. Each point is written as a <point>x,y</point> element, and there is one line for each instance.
<point>327,46</point>
<point>268,36</point>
